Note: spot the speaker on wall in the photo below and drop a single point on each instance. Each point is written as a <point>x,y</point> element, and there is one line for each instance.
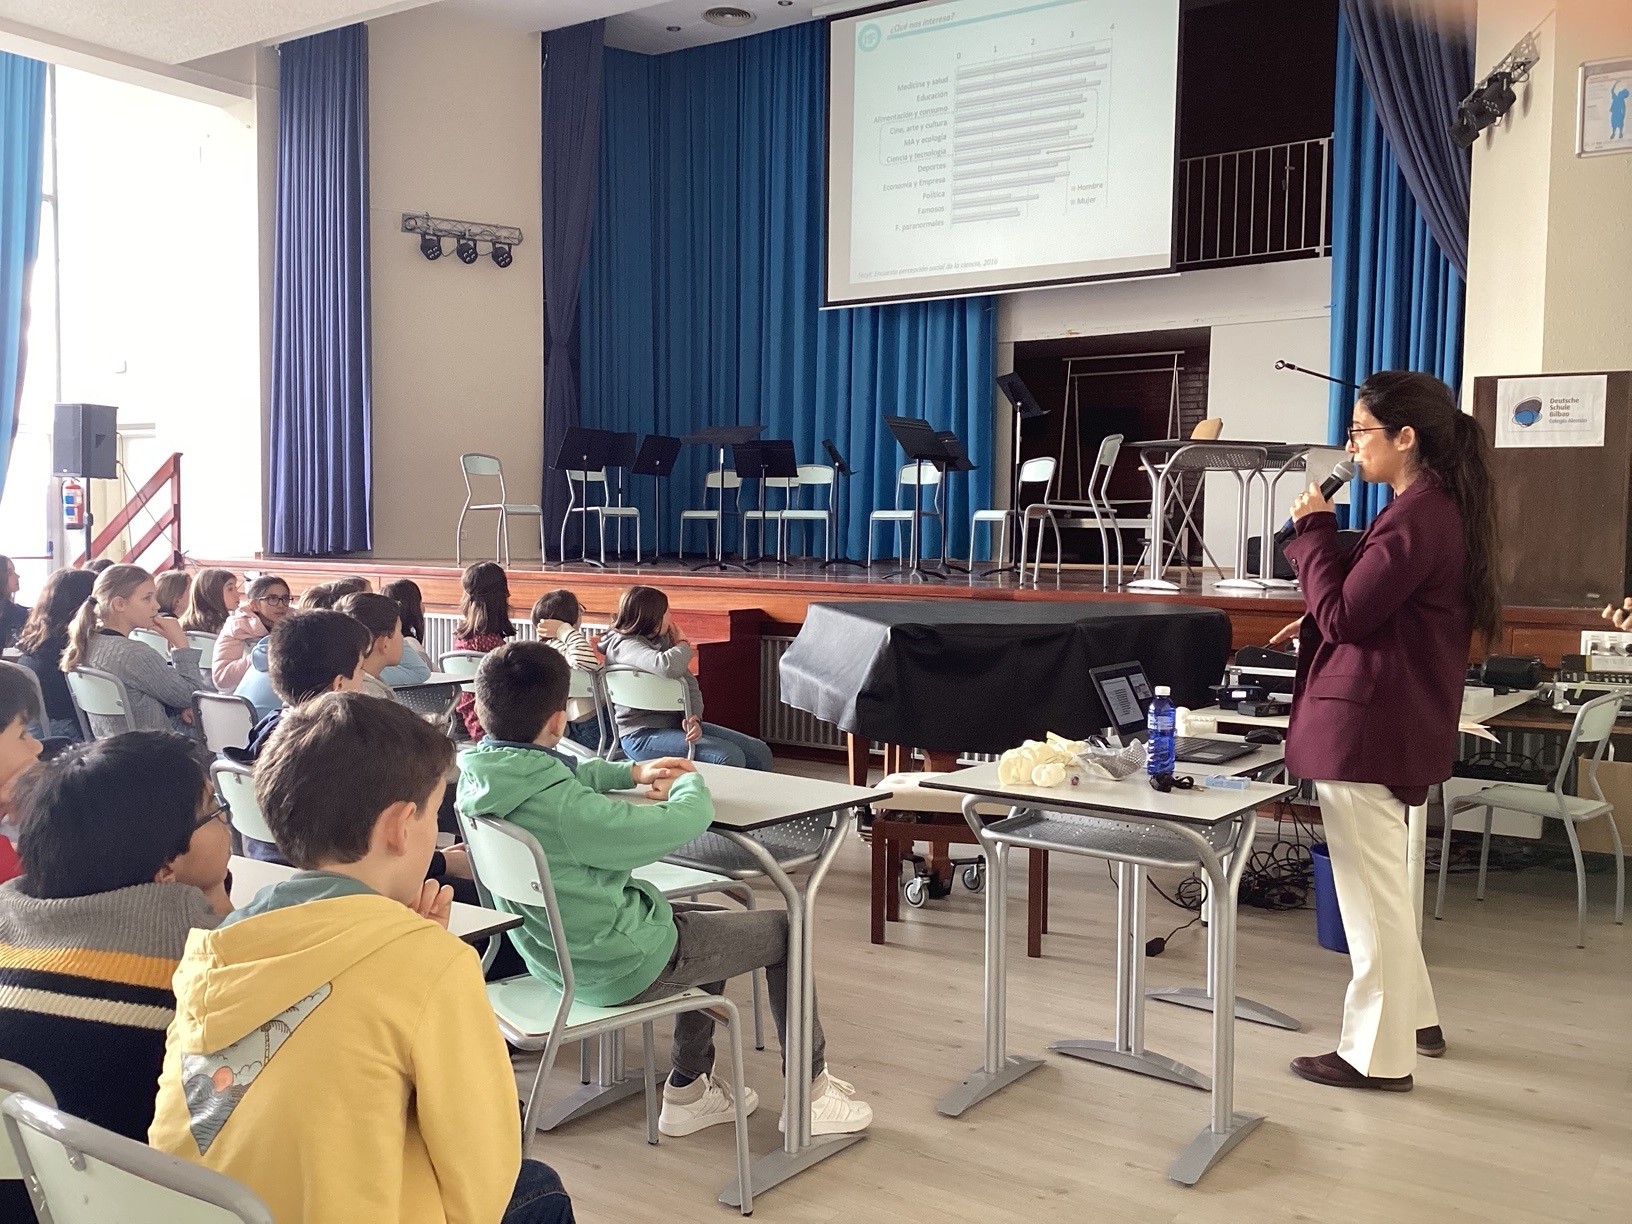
<point>85,441</point>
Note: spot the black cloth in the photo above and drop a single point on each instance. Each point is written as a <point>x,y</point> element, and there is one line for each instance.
<point>976,675</point>
<point>12,619</point>
<point>46,663</point>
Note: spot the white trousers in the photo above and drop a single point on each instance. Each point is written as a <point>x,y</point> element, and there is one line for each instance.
<point>1390,996</point>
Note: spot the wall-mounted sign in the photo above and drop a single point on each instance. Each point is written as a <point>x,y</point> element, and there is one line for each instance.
<point>1602,94</point>
<point>1556,410</point>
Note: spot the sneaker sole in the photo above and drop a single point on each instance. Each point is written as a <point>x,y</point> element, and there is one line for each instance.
<point>1435,1052</point>
<point>679,1130</point>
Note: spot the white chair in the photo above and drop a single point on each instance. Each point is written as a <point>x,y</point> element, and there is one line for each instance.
<point>1033,473</point>
<point>101,694</point>
<point>147,637</point>
<point>579,484</point>
<point>14,1077</point>
<point>39,720</point>
<point>483,467</point>
<point>235,784</point>
<point>204,643</point>
<point>906,480</point>
<point>788,487</point>
<point>718,482</point>
<point>534,1015</point>
<point>642,690</point>
<point>223,719</point>
<point>78,1173</point>
<point>1594,725</point>
<point>1096,510</point>
<point>813,476</point>
<point>460,664</point>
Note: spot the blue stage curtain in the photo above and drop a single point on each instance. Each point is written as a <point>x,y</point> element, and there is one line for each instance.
<point>700,301</point>
<point>22,139</point>
<point>1417,61</point>
<point>571,158</point>
<point>1397,300</point>
<point>321,466</point>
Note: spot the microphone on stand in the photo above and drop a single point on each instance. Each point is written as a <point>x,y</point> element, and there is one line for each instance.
<point>1297,369</point>
<point>1341,475</point>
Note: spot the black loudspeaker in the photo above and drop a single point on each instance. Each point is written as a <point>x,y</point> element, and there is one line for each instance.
<point>85,441</point>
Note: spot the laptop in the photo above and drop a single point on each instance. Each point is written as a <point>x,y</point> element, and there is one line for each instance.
<point>1125,694</point>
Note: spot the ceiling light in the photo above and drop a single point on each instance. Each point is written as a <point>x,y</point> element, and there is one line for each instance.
<point>673,29</point>
<point>465,248</point>
<point>501,254</point>
<point>728,16</point>
<point>430,246</point>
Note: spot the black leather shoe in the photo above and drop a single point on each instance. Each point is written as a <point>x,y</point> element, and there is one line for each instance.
<point>1431,1042</point>
<point>1332,1071</point>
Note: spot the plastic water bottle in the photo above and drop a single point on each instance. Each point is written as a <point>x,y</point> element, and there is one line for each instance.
<point>1159,723</point>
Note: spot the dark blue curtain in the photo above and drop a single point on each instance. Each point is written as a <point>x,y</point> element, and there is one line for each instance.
<point>22,138</point>
<point>1417,60</point>
<point>700,299</point>
<point>1397,299</point>
<point>570,161</point>
<point>321,467</point>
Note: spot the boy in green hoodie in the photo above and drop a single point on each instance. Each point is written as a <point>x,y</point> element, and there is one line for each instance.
<point>333,1047</point>
<point>627,943</point>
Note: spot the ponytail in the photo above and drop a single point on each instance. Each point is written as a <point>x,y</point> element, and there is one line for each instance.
<point>80,631</point>
<point>115,582</point>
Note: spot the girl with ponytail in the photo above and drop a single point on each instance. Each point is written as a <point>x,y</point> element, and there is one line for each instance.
<point>1382,652</point>
<point>160,688</point>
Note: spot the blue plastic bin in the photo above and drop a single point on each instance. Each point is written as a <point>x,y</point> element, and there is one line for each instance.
<point>1328,918</point>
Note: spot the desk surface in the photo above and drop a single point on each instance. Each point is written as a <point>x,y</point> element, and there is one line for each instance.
<point>468,922</point>
<point>1131,796</point>
<point>1470,723</point>
<point>436,678</point>
<point>748,799</point>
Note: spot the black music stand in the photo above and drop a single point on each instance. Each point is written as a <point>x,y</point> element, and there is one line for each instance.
<point>720,438</point>
<point>621,455</point>
<point>959,462</point>
<point>771,459</point>
<point>656,459</point>
<point>836,503</point>
<point>582,450</point>
<point>1026,408</point>
<point>921,445</point>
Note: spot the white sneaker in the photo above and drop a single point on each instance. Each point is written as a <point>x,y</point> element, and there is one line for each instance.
<point>833,1109</point>
<point>709,1104</point>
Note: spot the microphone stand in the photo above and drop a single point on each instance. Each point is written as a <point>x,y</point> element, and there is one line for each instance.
<point>1297,369</point>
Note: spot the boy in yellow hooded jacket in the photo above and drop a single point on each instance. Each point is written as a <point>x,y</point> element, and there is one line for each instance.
<point>333,1047</point>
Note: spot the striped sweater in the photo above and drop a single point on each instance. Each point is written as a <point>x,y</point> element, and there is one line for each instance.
<point>85,994</point>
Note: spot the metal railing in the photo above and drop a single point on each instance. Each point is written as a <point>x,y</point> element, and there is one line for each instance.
<point>166,524</point>
<point>1256,205</point>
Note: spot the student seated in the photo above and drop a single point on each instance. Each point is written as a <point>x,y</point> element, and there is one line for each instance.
<point>18,750</point>
<point>410,603</point>
<point>161,694</point>
<point>558,621</point>
<point>628,944</point>
<point>173,587</point>
<point>126,853</point>
<point>334,1049</point>
<point>211,600</point>
<point>265,604</point>
<point>326,594</point>
<point>386,664</point>
<point>484,625</point>
<point>13,615</point>
<point>43,640</point>
<point>644,636</point>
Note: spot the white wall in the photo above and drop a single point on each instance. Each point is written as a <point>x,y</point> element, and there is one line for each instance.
<point>458,351</point>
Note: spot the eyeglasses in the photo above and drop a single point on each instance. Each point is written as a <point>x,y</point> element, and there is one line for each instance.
<point>1172,782</point>
<point>1368,429</point>
<point>218,812</point>
<point>277,601</point>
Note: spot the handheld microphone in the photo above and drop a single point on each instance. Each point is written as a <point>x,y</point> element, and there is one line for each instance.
<point>1341,475</point>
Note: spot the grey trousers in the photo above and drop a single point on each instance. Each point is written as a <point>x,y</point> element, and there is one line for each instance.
<point>716,944</point>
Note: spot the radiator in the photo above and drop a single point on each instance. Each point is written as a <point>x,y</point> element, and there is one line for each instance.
<point>780,723</point>
<point>439,628</point>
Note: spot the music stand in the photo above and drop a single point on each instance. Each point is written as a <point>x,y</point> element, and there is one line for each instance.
<point>621,455</point>
<point>656,459</point>
<point>959,462</point>
<point>841,472</point>
<point>1026,408</point>
<point>582,450</point>
<point>921,445</point>
<point>721,437</point>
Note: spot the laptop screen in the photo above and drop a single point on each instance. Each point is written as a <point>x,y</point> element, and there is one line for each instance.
<point>1125,695</point>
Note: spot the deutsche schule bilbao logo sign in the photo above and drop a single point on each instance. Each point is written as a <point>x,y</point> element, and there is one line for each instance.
<point>1527,412</point>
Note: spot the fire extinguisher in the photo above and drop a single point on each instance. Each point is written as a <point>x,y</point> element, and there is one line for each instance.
<point>73,504</point>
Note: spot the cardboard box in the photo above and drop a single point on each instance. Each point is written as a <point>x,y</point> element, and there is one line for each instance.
<point>1615,778</point>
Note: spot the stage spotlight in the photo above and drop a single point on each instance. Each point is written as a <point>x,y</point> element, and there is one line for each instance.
<point>430,246</point>
<point>1490,100</point>
<point>501,254</point>
<point>465,248</point>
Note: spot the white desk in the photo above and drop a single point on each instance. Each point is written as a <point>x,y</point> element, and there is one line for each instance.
<point>468,922</point>
<point>1146,828</point>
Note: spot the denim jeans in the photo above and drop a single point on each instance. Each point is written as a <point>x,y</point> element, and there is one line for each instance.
<point>539,1197</point>
<point>719,746</point>
<point>586,731</point>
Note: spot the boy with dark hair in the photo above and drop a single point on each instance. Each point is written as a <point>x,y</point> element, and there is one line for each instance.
<point>628,945</point>
<point>307,653</point>
<point>342,982</point>
<point>558,622</point>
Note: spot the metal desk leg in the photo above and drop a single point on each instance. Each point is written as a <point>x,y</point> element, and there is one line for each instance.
<point>1127,1052</point>
<point>1153,580</point>
<point>1240,580</point>
<point>1226,1128</point>
<point>798,1151</point>
<point>613,1083</point>
<point>1000,1069</point>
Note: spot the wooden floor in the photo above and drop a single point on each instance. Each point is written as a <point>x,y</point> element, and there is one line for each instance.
<point>1528,1119</point>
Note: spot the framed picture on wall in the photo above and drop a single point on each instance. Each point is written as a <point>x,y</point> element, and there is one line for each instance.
<point>1603,100</point>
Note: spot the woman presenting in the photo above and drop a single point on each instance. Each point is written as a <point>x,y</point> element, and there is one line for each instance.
<point>1382,653</point>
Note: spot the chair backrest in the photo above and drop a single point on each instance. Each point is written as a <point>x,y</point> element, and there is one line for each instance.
<point>100,693</point>
<point>14,1077</point>
<point>37,716</point>
<point>204,643</point>
<point>718,479</point>
<point>81,1174</point>
<point>1208,430</point>
<point>479,465</point>
<point>642,690</point>
<point>460,663</point>
<point>909,474</point>
<point>816,474</point>
<point>235,784</point>
<point>581,686</point>
<point>508,863</point>
<point>148,637</point>
<point>598,476</point>
<point>223,719</point>
<point>1038,472</point>
<point>1594,724</point>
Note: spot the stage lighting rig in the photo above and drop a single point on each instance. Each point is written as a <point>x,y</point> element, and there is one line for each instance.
<point>1494,96</point>
<point>501,239</point>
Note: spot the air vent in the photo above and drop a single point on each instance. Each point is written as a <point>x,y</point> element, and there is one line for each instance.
<point>728,16</point>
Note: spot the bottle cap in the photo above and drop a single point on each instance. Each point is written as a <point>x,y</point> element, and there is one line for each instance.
<point>1163,691</point>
